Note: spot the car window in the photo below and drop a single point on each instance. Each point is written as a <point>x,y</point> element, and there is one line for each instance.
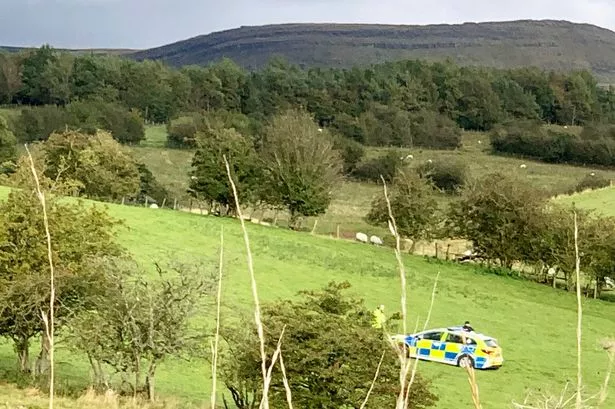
<point>454,338</point>
<point>491,343</point>
<point>433,336</point>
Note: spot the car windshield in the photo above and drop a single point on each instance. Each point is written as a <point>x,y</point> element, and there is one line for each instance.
<point>491,343</point>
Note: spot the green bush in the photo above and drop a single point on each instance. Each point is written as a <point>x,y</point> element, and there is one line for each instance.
<point>435,131</point>
<point>448,176</point>
<point>126,127</point>
<point>595,145</point>
<point>591,182</point>
<point>386,166</point>
<point>181,132</point>
<point>37,123</point>
<point>351,152</point>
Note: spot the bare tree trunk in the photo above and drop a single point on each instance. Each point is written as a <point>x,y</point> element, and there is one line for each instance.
<point>42,362</point>
<point>149,381</point>
<point>22,348</point>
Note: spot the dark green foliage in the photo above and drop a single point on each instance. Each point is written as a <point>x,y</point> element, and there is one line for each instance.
<point>435,131</point>
<point>351,152</point>
<point>330,353</point>
<point>181,132</point>
<point>37,123</point>
<point>448,176</point>
<point>301,166</point>
<point>591,182</point>
<point>150,188</point>
<point>596,145</point>
<point>499,214</point>
<point>209,180</point>
<point>126,127</point>
<point>405,103</point>
<point>8,153</point>
<point>413,205</point>
<point>385,166</point>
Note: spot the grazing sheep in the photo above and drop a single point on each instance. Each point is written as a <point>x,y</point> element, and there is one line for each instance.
<point>319,129</point>
<point>592,174</point>
<point>410,157</point>
<point>429,161</point>
<point>153,206</point>
<point>480,142</point>
<point>523,166</point>
<point>376,240</point>
<point>362,237</point>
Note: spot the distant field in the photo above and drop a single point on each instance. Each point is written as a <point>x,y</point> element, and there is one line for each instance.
<point>352,200</point>
<point>534,323</point>
<point>602,201</point>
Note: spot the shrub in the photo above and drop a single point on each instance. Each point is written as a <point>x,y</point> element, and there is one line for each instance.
<point>181,132</point>
<point>36,124</point>
<point>386,166</point>
<point>435,131</point>
<point>125,126</point>
<point>330,350</point>
<point>595,145</point>
<point>8,153</point>
<point>591,182</point>
<point>446,176</point>
<point>351,152</point>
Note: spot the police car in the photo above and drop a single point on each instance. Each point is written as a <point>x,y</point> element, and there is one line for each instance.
<point>453,346</point>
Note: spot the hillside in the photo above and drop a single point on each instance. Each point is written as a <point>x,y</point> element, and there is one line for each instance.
<point>548,44</point>
<point>95,51</point>
<point>287,262</point>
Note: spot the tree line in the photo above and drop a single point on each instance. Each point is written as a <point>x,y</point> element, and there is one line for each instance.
<point>407,103</point>
<point>509,223</point>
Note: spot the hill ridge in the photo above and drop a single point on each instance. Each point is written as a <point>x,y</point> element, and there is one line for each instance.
<point>549,44</point>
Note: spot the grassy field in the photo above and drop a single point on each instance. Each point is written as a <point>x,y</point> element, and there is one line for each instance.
<point>534,324</point>
<point>602,201</point>
<point>352,200</point>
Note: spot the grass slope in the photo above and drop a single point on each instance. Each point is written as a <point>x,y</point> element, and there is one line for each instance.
<point>534,324</point>
<point>546,43</point>
<point>602,201</point>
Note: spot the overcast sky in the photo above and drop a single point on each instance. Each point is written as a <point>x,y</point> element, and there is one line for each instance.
<point>149,23</point>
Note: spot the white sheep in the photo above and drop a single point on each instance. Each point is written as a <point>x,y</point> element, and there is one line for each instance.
<point>523,166</point>
<point>376,240</point>
<point>410,157</point>
<point>153,206</point>
<point>592,174</point>
<point>480,142</point>
<point>362,237</point>
<point>429,161</point>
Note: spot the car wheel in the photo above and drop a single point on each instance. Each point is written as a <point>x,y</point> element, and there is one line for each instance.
<point>465,361</point>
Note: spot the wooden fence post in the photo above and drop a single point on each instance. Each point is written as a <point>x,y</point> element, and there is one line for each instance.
<point>175,204</point>
<point>437,249</point>
<point>448,249</point>
<point>164,201</point>
<point>123,199</point>
<point>314,228</point>
<point>145,201</point>
<point>338,231</point>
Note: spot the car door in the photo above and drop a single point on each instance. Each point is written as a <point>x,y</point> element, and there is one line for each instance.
<point>453,346</point>
<point>427,344</point>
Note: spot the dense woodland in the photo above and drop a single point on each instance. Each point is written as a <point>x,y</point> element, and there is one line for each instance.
<point>371,105</point>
